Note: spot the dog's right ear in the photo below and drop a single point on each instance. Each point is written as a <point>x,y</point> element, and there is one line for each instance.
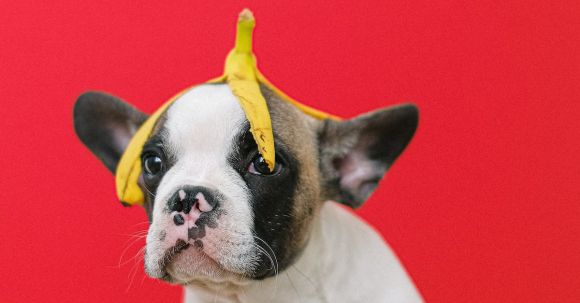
<point>106,124</point>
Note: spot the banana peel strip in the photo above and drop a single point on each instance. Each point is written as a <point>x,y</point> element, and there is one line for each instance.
<point>244,79</point>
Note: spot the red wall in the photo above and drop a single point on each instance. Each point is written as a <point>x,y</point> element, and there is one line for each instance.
<point>482,207</point>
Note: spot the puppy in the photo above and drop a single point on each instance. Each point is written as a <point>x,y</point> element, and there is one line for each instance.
<point>229,229</point>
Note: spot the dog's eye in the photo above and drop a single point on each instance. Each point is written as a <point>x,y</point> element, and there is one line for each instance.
<point>258,166</point>
<point>152,164</point>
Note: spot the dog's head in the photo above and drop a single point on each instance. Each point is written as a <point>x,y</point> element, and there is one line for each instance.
<point>216,211</point>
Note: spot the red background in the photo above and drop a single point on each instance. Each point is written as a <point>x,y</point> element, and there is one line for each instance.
<point>482,207</point>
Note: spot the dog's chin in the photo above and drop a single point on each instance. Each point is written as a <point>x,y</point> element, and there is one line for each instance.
<point>192,265</point>
<point>187,264</point>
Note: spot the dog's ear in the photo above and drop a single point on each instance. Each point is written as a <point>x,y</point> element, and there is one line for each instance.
<point>105,124</point>
<point>356,153</point>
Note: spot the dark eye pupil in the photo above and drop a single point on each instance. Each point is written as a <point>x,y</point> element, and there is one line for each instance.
<point>153,165</point>
<point>261,166</point>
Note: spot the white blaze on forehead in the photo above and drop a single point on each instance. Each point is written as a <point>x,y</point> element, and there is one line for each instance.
<point>204,120</point>
<point>199,134</point>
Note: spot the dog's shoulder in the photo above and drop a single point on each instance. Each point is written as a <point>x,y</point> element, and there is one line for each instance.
<point>359,253</point>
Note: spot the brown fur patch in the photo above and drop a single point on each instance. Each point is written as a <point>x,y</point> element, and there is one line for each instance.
<point>299,133</point>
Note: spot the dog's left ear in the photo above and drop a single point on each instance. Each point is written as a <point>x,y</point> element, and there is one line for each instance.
<point>356,153</point>
<point>106,124</point>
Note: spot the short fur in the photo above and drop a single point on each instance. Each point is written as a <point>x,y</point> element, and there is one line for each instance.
<point>275,228</point>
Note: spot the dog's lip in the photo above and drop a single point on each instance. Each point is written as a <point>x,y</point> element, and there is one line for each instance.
<point>173,251</point>
<point>181,246</point>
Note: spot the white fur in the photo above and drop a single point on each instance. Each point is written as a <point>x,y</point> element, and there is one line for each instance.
<point>345,261</point>
<point>201,144</point>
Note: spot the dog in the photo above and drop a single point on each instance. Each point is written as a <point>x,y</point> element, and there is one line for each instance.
<point>229,229</point>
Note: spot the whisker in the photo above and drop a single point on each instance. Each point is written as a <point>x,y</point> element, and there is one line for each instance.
<point>276,267</point>
<point>316,287</point>
<point>293,286</point>
<point>132,242</point>
<point>138,254</point>
<point>142,280</point>
<point>135,233</point>
<point>134,268</point>
<point>305,276</point>
<point>262,250</point>
<point>140,223</point>
<point>149,191</point>
<point>141,234</point>
<point>272,250</point>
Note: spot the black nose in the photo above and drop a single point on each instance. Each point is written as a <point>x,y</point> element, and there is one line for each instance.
<point>189,197</point>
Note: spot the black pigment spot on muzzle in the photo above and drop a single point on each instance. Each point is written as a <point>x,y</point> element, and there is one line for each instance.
<point>195,201</point>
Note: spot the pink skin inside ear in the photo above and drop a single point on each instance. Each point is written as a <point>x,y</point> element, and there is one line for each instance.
<point>355,169</point>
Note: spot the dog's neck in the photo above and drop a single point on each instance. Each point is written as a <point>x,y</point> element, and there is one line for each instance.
<point>332,268</point>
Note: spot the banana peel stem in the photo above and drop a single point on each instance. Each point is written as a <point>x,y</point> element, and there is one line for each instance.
<point>241,75</point>
<point>244,79</point>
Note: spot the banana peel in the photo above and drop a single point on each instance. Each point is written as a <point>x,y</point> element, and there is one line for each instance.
<point>244,79</point>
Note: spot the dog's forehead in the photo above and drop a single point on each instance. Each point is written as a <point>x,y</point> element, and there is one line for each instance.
<point>205,118</point>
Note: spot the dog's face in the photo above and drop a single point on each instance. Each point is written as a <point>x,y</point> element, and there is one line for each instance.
<point>216,212</point>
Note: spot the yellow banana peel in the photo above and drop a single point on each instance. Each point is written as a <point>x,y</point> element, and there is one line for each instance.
<point>244,79</point>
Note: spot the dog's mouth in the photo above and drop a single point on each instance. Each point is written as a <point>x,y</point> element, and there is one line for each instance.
<point>172,252</point>
<point>169,255</point>
<point>180,247</point>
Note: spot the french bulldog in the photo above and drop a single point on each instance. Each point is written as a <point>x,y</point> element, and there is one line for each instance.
<point>229,229</point>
